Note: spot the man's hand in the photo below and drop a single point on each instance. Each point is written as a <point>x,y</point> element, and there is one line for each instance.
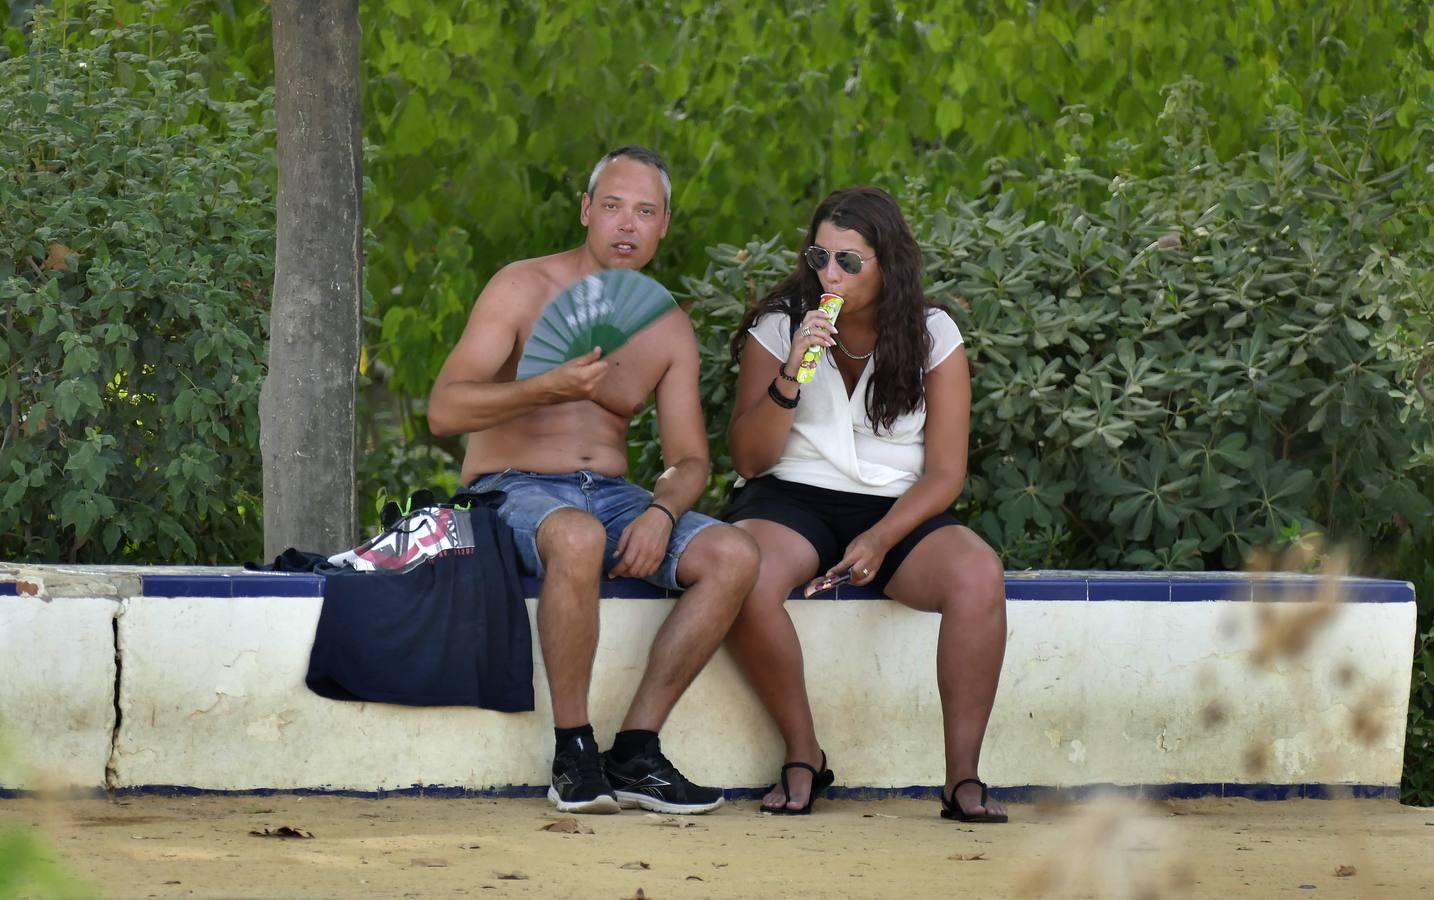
<point>643,545</point>
<point>576,379</point>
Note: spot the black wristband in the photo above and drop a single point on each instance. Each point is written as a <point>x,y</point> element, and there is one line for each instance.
<point>783,401</point>
<point>655,505</point>
<point>782,372</point>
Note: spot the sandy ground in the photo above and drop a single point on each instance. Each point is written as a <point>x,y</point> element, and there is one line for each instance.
<point>403,847</point>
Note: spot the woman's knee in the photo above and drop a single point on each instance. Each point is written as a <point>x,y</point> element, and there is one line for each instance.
<point>988,574</point>
<point>978,582</point>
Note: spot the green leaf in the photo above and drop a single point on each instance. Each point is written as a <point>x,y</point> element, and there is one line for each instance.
<point>950,114</point>
<point>413,132</point>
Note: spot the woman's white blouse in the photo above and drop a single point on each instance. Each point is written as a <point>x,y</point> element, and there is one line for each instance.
<point>832,444</point>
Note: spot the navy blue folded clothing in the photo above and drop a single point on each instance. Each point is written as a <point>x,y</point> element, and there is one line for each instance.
<point>448,629</point>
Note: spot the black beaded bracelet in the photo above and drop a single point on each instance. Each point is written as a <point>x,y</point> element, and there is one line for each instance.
<point>782,371</point>
<point>655,505</point>
<point>782,401</point>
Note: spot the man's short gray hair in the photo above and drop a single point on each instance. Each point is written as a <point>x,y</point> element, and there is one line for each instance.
<point>642,155</point>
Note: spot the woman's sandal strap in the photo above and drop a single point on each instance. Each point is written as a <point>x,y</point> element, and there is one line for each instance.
<point>816,780</point>
<point>959,785</point>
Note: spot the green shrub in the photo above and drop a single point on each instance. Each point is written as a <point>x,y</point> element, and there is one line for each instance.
<point>1200,365</point>
<point>1218,357</point>
<point>135,267</point>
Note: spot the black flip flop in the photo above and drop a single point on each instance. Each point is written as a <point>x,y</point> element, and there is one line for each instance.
<point>950,809</point>
<point>820,782</point>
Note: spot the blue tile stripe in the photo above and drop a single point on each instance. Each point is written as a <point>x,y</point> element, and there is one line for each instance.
<point>1013,794</point>
<point>1020,586</point>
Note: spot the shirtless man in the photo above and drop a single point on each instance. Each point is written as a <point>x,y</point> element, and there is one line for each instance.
<point>556,445</point>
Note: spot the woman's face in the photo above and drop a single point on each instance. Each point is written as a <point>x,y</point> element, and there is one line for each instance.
<point>859,290</point>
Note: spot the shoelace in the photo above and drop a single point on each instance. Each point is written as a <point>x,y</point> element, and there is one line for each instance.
<point>667,764</point>
<point>589,767</point>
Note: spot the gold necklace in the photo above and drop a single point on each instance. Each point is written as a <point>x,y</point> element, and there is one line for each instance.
<point>856,356</point>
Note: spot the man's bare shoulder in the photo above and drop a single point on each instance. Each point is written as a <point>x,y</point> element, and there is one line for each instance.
<point>673,325</point>
<point>670,338</point>
<point>522,285</point>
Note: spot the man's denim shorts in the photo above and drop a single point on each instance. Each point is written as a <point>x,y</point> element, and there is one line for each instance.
<point>615,502</point>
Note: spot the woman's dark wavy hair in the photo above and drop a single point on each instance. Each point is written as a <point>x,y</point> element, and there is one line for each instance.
<point>903,345</point>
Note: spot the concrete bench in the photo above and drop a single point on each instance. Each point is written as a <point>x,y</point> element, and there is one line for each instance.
<point>160,679</point>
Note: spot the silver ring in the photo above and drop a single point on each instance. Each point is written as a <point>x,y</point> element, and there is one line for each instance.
<point>806,332</point>
<point>865,572</point>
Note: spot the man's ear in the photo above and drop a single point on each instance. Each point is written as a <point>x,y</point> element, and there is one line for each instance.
<point>666,222</point>
<point>587,206</point>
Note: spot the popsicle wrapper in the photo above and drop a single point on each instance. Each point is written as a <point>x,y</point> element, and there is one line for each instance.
<point>831,305</point>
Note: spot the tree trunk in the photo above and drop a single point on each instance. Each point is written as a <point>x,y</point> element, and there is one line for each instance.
<point>306,407</point>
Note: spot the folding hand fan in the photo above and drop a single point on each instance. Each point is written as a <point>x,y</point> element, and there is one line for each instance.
<point>602,310</point>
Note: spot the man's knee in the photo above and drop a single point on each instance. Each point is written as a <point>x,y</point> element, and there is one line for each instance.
<point>571,537</point>
<point>726,553</point>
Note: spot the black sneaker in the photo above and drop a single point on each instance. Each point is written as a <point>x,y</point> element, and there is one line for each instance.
<point>650,781</point>
<point>578,783</point>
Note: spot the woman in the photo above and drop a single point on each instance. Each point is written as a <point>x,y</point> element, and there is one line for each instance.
<point>856,471</point>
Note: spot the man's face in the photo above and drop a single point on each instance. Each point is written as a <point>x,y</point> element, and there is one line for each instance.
<point>626,215</point>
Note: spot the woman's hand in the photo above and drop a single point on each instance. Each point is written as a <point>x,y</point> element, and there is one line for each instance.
<point>864,556</point>
<point>816,330</point>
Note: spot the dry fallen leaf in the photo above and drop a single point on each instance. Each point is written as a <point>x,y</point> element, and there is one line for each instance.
<point>636,864</point>
<point>878,816</point>
<point>566,826</point>
<point>55,258</point>
<point>967,857</point>
<point>429,862</point>
<point>1344,871</point>
<point>694,878</point>
<point>638,896</point>
<point>511,876</point>
<point>468,847</point>
<point>283,831</point>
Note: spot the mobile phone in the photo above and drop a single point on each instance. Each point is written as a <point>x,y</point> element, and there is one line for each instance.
<point>826,583</point>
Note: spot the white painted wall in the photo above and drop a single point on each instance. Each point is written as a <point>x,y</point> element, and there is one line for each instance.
<point>1091,693</point>
<point>57,679</point>
<point>1121,692</point>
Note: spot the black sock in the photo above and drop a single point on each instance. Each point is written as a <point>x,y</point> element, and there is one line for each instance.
<point>627,744</point>
<point>566,736</point>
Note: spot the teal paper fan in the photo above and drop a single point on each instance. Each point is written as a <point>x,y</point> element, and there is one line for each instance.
<point>602,310</point>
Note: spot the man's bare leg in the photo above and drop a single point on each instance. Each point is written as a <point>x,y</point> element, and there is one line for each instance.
<point>571,544</point>
<point>719,566</point>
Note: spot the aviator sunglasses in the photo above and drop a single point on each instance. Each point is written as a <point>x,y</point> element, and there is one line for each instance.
<point>849,260</point>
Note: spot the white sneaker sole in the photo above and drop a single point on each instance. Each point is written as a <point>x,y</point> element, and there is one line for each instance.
<point>631,800</point>
<point>603,805</point>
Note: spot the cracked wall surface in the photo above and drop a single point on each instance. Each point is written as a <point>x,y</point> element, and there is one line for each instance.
<point>57,681</point>
<point>211,696</point>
